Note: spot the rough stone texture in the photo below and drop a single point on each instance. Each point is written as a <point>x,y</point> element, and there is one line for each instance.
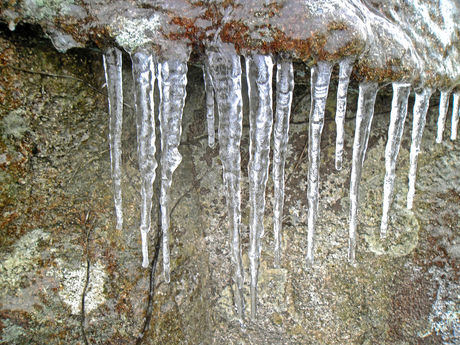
<point>56,212</point>
<point>393,40</point>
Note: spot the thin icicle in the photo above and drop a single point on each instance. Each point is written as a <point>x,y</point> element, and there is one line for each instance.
<point>346,66</point>
<point>172,82</point>
<point>284,90</point>
<point>112,59</point>
<point>364,115</point>
<point>225,68</point>
<point>209,105</point>
<point>397,118</point>
<point>144,83</point>
<point>455,116</point>
<point>443,107</point>
<point>422,101</point>
<point>259,73</point>
<point>320,77</point>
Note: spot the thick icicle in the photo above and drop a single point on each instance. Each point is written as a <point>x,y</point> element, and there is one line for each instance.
<point>112,59</point>
<point>209,105</point>
<point>284,89</point>
<point>443,107</point>
<point>455,116</point>
<point>422,101</point>
<point>144,82</point>
<point>397,118</point>
<point>346,66</point>
<point>225,68</point>
<point>172,82</point>
<point>259,73</point>
<point>320,77</point>
<point>364,115</point>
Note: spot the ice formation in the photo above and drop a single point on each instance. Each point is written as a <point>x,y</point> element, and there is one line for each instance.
<point>455,116</point>
<point>443,107</point>
<point>209,89</point>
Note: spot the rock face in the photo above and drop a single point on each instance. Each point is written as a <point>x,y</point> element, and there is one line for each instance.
<point>70,270</point>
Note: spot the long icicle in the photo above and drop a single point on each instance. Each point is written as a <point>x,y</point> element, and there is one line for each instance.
<point>320,77</point>
<point>455,116</point>
<point>144,83</point>
<point>397,118</point>
<point>346,67</point>
<point>225,68</point>
<point>172,81</point>
<point>259,72</point>
<point>422,101</point>
<point>443,107</point>
<point>112,59</point>
<point>209,90</point>
<point>284,90</point>
<point>364,115</point>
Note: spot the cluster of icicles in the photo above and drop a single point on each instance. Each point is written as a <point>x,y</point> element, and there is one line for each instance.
<point>222,76</point>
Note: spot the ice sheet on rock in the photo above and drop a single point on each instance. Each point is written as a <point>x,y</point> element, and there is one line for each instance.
<point>397,118</point>
<point>346,66</point>
<point>364,115</point>
<point>172,82</point>
<point>284,90</point>
<point>455,116</point>
<point>112,60</point>
<point>422,101</point>
<point>225,69</point>
<point>209,90</point>
<point>144,83</point>
<point>259,73</point>
<point>443,107</point>
<point>320,77</point>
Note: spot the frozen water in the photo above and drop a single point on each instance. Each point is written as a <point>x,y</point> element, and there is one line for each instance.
<point>397,118</point>
<point>364,115</point>
<point>112,59</point>
<point>144,82</point>
<point>172,82</point>
<point>225,70</point>
<point>422,101</point>
<point>346,66</point>
<point>320,77</point>
<point>209,105</point>
<point>259,73</point>
<point>455,116</point>
<point>284,90</point>
<point>443,107</point>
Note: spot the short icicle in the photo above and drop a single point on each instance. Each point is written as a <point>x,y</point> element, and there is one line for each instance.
<point>144,83</point>
<point>112,59</point>
<point>284,90</point>
<point>209,90</point>
<point>172,82</point>
<point>422,101</point>
<point>259,72</point>
<point>397,118</point>
<point>455,116</point>
<point>320,77</point>
<point>346,67</point>
<point>225,69</point>
<point>364,115</point>
<point>443,107</point>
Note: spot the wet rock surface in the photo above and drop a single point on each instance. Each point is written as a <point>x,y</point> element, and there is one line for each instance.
<point>57,219</point>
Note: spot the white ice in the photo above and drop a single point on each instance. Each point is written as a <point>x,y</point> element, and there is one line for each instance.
<point>455,116</point>
<point>209,90</point>
<point>443,107</point>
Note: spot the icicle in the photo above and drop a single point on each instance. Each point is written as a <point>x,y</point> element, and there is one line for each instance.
<point>225,68</point>
<point>284,89</point>
<point>320,76</point>
<point>364,115</point>
<point>443,107</point>
<point>172,82</point>
<point>422,101</point>
<point>397,118</point>
<point>346,66</point>
<point>144,82</point>
<point>209,105</point>
<point>113,76</point>
<point>455,116</point>
<point>259,72</point>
